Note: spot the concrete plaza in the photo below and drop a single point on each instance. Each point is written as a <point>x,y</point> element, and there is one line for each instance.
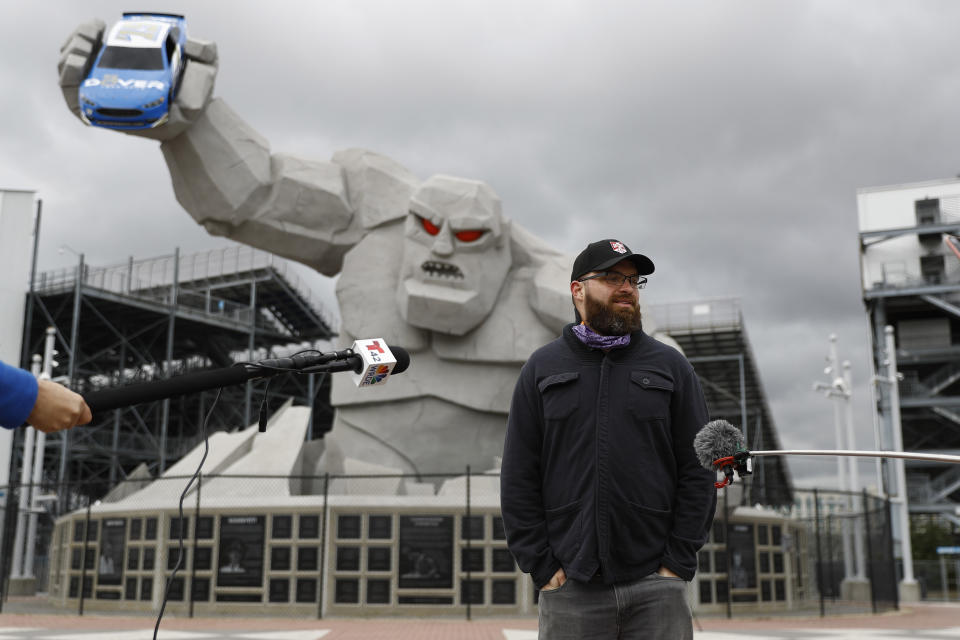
<point>914,622</point>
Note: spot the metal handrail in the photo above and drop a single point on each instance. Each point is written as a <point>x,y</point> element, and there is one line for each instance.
<point>143,278</point>
<point>711,313</point>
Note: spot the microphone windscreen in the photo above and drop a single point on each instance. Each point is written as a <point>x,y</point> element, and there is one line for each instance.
<point>403,360</point>
<point>717,439</point>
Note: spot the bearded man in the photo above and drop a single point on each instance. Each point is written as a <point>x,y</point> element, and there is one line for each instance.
<point>604,502</point>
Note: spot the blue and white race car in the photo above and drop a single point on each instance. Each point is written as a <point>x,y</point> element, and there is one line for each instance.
<point>135,75</point>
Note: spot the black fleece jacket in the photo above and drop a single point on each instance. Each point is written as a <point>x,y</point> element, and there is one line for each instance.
<point>599,470</point>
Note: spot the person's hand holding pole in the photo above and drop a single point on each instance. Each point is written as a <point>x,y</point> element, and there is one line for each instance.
<point>57,408</point>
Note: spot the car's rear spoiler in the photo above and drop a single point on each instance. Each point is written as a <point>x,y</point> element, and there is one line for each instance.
<point>153,13</point>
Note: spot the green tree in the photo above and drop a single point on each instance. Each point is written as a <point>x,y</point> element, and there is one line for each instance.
<point>927,532</point>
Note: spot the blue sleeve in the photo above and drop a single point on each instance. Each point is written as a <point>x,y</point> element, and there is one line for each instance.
<point>18,394</point>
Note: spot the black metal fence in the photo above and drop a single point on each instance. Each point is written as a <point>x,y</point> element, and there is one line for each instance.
<point>938,579</point>
<point>124,544</point>
<point>831,553</point>
<point>846,552</point>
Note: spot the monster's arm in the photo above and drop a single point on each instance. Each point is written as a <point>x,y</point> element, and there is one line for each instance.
<point>226,177</point>
<point>550,282</point>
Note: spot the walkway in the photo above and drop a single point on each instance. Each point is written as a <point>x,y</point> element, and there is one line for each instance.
<point>917,622</point>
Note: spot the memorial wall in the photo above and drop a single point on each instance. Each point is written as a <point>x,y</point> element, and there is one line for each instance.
<point>406,555</point>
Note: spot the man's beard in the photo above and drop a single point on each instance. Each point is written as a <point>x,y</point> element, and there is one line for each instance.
<point>608,320</point>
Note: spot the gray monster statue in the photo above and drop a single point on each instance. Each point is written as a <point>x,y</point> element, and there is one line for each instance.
<point>432,266</point>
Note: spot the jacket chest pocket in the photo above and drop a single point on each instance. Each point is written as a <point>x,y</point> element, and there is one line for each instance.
<point>560,395</point>
<point>650,394</point>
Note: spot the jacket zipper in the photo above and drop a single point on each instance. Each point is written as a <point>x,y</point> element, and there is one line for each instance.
<point>603,538</point>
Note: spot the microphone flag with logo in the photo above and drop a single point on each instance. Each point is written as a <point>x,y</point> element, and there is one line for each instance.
<point>376,362</point>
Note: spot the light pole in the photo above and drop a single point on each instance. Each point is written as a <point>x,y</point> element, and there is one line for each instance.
<point>31,474</point>
<point>834,390</point>
<point>47,369</point>
<point>25,474</point>
<point>72,362</point>
<point>858,529</point>
<point>840,390</point>
<point>909,589</point>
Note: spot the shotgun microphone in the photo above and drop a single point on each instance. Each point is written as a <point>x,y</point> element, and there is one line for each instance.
<point>720,447</point>
<point>386,362</point>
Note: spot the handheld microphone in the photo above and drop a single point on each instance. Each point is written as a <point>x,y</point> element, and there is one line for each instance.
<point>364,359</point>
<point>301,361</point>
<point>377,362</point>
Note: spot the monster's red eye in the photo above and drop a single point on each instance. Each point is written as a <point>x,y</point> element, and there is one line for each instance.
<point>470,235</point>
<point>429,227</point>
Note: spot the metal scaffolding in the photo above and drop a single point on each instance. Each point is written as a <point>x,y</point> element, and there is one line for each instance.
<point>714,339</point>
<point>158,317</point>
<point>921,301</point>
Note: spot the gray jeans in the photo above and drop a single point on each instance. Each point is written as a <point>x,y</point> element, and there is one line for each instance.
<point>651,608</point>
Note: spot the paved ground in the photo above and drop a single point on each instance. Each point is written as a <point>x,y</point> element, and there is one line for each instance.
<point>916,622</point>
<point>504,634</point>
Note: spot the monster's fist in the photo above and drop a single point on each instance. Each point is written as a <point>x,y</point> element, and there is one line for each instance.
<point>163,61</point>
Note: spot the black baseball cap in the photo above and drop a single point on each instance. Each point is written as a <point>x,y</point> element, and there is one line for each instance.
<point>603,254</point>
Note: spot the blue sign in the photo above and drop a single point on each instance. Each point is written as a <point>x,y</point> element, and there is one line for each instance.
<point>948,550</point>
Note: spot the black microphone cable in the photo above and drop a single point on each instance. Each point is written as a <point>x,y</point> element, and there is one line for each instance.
<point>206,450</point>
<point>196,474</point>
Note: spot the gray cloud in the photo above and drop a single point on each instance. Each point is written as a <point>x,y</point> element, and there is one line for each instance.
<point>726,139</point>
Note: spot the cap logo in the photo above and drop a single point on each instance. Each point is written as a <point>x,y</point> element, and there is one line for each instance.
<point>618,246</point>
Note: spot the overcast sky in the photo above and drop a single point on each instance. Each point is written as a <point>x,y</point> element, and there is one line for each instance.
<point>725,139</point>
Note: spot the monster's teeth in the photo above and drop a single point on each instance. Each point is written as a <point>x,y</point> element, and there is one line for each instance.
<point>442,270</point>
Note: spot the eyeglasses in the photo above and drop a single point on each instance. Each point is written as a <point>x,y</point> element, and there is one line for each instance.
<point>616,279</point>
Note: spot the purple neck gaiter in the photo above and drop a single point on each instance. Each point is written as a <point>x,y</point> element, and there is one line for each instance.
<point>593,339</point>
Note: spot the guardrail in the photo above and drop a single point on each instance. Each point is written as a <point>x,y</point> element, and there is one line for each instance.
<point>152,279</point>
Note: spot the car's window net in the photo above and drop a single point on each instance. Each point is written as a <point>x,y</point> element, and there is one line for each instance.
<point>139,58</point>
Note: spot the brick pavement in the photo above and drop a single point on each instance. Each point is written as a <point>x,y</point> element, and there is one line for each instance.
<point>909,617</point>
<point>914,621</point>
